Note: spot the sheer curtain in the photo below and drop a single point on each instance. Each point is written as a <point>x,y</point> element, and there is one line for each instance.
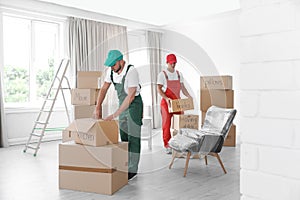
<point>89,43</point>
<point>3,134</point>
<point>154,54</point>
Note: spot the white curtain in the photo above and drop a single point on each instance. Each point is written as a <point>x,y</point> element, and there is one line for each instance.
<point>3,134</point>
<point>89,44</point>
<point>154,54</point>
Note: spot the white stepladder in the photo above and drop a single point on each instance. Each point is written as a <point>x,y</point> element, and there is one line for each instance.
<point>40,125</point>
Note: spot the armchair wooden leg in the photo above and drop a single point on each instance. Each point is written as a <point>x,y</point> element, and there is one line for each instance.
<point>186,163</point>
<point>220,161</point>
<point>174,153</point>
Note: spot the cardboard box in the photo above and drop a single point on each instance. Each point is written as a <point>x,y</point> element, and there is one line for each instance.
<point>84,96</point>
<point>173,132</point>
<point>102,170</point>
<point>220,98</point>
<point>90,79</point>
<point>68,135</point>
<point>216,82</point>
<point>202,117</point>
<point>231,137</point>
<point>89,131</point>
<point>179,105</point>
<point>185,121</point>
<point>83,111</point>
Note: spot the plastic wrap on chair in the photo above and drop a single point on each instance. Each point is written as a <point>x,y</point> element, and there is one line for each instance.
<point>183,143</point>
<point>191,133</point>
<point>218,120</point>
<point>209,143</point>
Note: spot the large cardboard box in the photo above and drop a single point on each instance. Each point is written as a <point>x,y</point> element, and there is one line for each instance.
<point>84,96</point>
<point>216,82</point>
<point>89,131</point>
<point>230,141</point>
<point>102,170</point>
<point>83,111</point>
<point>90,79</point>
<point>220,98</point>
<point>179,105</point>
<point>185,121</point>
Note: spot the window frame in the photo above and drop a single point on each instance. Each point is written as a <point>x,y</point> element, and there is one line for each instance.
<point>62,46</point>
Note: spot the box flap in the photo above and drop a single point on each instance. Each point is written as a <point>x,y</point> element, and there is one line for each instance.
<point>82,125</point>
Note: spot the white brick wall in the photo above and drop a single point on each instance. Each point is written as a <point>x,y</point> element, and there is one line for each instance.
<point>268,19</point>
<point>268,76</point>
<point>264,131</point>
<point>270,99</point>
<point>268,187</point>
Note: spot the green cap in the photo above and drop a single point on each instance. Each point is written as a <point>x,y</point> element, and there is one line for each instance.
<point>112,57</point>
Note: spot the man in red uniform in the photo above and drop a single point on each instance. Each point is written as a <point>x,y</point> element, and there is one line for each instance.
<point>169,84</point>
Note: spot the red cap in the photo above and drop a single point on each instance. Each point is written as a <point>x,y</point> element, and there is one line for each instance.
<point>171,58</point>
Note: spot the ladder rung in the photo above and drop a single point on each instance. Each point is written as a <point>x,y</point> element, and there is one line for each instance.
<point>41,122</point>
<point>45,110</point>
<point>32,147</point>
<point>37,135</point>
<point>50,99</point>
<point>63,88</point>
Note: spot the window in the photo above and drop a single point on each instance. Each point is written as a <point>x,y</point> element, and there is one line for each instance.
<point>32,50</point>
<point>139,58</point>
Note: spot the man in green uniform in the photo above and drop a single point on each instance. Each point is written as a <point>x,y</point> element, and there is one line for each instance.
<point>126,81</point>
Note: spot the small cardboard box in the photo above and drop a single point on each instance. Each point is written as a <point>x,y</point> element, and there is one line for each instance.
<point>216,82</point>
<point>83,111</point>
<point>89,131</point>
<point>185,121</point>
<point>230,141</point>
<point>179,105</point>
<point>90,79</point>
<point>102,170</point>
<point>220,98</point>
<point>84,96</point>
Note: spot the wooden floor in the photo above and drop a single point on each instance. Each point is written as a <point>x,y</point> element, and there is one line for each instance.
<point>23,176</point>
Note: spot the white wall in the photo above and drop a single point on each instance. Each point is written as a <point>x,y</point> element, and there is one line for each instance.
<point>19,124</point>
<point>207,46</point>
<point>19,121</point>
<point>270,100</point>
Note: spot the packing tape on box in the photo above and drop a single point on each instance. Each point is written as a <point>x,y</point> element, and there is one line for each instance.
<point>87,169</point>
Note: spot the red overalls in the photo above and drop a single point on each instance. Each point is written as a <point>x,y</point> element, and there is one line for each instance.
<point>172,92</point>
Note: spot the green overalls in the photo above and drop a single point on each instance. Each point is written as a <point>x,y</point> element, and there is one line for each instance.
<point>130,121</point>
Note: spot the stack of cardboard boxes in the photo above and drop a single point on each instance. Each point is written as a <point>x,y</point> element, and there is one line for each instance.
<point>183,120</point>
<point>180,120</point>
<point>96,161</point>
<point>217,90</point>
<point>84,97</point>
<point>91,158</point>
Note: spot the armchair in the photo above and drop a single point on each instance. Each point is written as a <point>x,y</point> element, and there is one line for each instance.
<point>206,141</point>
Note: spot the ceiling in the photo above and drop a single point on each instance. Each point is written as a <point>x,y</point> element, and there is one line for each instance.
<point>154,12</point>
